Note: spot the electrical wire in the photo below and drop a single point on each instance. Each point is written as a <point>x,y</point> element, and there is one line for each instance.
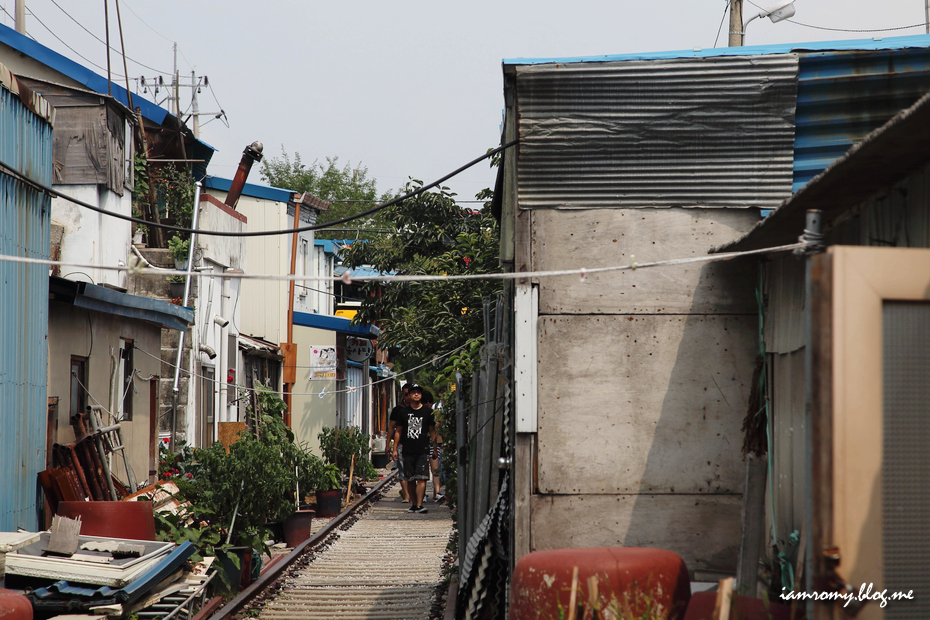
<point>147,25</point>
<point>722,19</point>
<point>84,28</point>
<point>581,272</point>
<point>342,297</point>
<point>797,23</point>
<point>60,40</point>
<point>262,233</point>
<point>324,392</point>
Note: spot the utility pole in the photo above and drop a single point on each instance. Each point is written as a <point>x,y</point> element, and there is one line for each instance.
<point>195,105</point>
<point>175,85</point>
<point>20,16</point>
<point>736,23</point>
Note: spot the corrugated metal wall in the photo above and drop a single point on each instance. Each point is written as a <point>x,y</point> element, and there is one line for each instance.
<point>354,379</point>
<point>26,146</point>
<point>843,96</point>
<point>899,218</point>
<point>700,132</point>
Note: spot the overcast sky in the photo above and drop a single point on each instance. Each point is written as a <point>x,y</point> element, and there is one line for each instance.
<point>407,88</point>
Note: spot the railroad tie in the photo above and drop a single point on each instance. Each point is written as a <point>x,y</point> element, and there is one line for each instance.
<point>387,566</point>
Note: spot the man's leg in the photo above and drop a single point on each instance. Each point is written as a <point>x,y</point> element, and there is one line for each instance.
<point>421,491</point>
<point>401,475</point>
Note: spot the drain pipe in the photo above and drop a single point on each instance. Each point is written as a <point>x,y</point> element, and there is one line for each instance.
<point>187,289</point>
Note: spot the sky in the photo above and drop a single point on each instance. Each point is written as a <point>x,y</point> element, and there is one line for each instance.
<point>406,88</point>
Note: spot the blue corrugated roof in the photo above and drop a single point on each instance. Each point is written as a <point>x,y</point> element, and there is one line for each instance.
<point>256,191</point>
<point>336,324</point>
<point>81,74</point>
<point>328,245</point>
<point>921,40</point>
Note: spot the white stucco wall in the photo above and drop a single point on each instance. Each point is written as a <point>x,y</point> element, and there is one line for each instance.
<point>92,238</point>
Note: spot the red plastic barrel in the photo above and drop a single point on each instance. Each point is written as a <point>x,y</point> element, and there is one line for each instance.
<point>14,606</point>
<point>632,580</point>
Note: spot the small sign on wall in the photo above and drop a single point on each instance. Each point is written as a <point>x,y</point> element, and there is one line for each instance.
<point>358,349</point>
<point>322,362</point>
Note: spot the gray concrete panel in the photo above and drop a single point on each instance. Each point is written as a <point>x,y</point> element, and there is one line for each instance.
<point>703,529</point>
<point>569,239</point>
<point>643,404</point>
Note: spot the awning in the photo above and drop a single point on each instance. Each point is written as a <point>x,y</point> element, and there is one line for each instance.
<point>103,299</point>
<point>260,348</point>
<point>336,324</point>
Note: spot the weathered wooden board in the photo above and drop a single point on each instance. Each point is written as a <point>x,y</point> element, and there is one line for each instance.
<point>79,146</point>
<point>643,404</point>
<point>573,239</point>
<point>703,529</point>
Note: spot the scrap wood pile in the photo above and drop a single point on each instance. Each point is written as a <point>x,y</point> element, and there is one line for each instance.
<point>81,471</point>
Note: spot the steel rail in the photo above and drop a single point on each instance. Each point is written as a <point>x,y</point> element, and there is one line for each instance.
<point>272,574</point>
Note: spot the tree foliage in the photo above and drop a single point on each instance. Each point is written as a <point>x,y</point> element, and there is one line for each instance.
<point>432,235</point>
<point>348,188</point>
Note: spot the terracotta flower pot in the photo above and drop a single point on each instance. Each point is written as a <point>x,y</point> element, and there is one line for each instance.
<point>297,527</point>
<point>328,503</point>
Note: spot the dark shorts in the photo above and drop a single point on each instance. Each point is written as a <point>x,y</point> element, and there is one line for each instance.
<point>416,466</point>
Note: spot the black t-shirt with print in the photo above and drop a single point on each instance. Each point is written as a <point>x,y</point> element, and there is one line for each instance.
<point>414,430</point>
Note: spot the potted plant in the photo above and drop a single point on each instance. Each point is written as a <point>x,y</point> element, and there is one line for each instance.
<point>176,286</point>
<point>180,250</point>
<point>329,491</point>
<point>234,495</point>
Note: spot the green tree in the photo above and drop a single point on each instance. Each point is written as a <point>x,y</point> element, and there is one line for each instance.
<point>431,235</point>
<point>348,188</point>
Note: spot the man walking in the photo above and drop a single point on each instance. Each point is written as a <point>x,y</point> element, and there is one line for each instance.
<point>414,434</point>
<point>397,413</point>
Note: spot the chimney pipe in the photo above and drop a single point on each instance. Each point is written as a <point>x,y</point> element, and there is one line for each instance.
<point>250,155</point>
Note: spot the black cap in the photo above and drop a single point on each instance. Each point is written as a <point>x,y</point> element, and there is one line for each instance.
<point>416,387</point>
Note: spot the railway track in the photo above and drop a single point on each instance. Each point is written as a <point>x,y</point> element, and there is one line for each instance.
<point>374,561</point>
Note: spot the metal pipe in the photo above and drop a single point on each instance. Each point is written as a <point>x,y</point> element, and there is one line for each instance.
<point>250,155</point>
<point>812,230</point>
<point>187,289</point>
<point>290,315</point>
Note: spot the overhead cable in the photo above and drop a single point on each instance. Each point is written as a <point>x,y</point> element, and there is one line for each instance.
<point>797,23</point>
<point>260,233</point>
<point>135,268</point>
<point>84,28</point>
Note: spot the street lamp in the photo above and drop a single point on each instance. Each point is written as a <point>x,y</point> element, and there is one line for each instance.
<point>780,11</point>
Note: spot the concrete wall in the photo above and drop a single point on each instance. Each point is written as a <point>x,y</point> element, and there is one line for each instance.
<point>643,382</point>
<point>310,412</point>
<point>94,335</point>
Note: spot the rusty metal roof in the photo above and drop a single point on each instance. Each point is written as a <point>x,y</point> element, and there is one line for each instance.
<point>886,156</point>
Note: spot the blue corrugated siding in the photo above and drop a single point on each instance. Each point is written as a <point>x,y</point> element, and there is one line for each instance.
<point>26,145</point>
<point>844,96</point>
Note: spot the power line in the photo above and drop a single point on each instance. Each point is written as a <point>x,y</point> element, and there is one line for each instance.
<point>263,233</point>
<point>722,19</point>
<point>147,25</point>
<point>104,42</point>
<point>844,29</point>
<point>60,40</point>
<point>134,268</point>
